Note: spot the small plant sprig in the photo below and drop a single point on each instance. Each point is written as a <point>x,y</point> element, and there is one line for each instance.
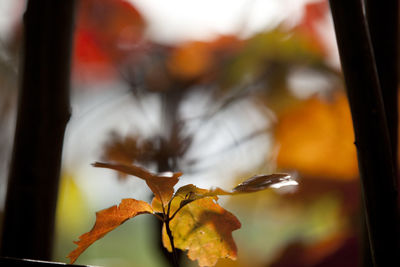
<point>192,219</point>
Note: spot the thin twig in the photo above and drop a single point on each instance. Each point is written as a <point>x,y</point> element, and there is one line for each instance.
<point>169,207</point>
<point>158,217</point>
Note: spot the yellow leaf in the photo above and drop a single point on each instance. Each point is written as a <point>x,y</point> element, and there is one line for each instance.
<point>107,220</point>
<point>204,229</point>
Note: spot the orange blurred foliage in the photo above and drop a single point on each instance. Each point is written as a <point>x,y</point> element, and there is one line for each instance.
<point>316,138</point>
<point>194,59</point>
<point>190,60</point>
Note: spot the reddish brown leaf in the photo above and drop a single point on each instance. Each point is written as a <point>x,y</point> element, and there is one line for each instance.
<point>107,220</point>
<point>162,186</point>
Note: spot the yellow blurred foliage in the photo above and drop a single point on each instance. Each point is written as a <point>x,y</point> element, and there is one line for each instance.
<point>316,138</point>
<point>71,206</point>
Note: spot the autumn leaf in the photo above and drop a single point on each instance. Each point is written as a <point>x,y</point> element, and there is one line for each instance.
<point>190,192</point>
<point>193,221</point>
<point>107,220</point>
<point>198,224</point>
<point>161,185</point>
<point>204,229</point>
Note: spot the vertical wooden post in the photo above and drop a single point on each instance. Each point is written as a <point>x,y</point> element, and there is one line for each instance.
<point>43,112</point>
<point>383,24</point>
<point>372,136</point>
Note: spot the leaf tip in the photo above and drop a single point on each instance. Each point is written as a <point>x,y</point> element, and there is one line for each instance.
<point>97,164</point>
<point>72,258</point>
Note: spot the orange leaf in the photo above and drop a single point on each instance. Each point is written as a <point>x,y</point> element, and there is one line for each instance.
<point>162,186</point>
<point>107,220</point>
<point>204,229</point>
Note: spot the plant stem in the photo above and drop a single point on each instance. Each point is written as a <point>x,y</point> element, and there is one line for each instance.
<point>171,240</point>
<point>159,217</point>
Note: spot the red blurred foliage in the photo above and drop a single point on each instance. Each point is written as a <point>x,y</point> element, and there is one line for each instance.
<point>108,33</point>
<point>315,13</point>
<point>332,253</point>
<point>90,60</point>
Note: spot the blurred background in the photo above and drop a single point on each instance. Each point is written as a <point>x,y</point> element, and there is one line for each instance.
<point>220,90</point>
